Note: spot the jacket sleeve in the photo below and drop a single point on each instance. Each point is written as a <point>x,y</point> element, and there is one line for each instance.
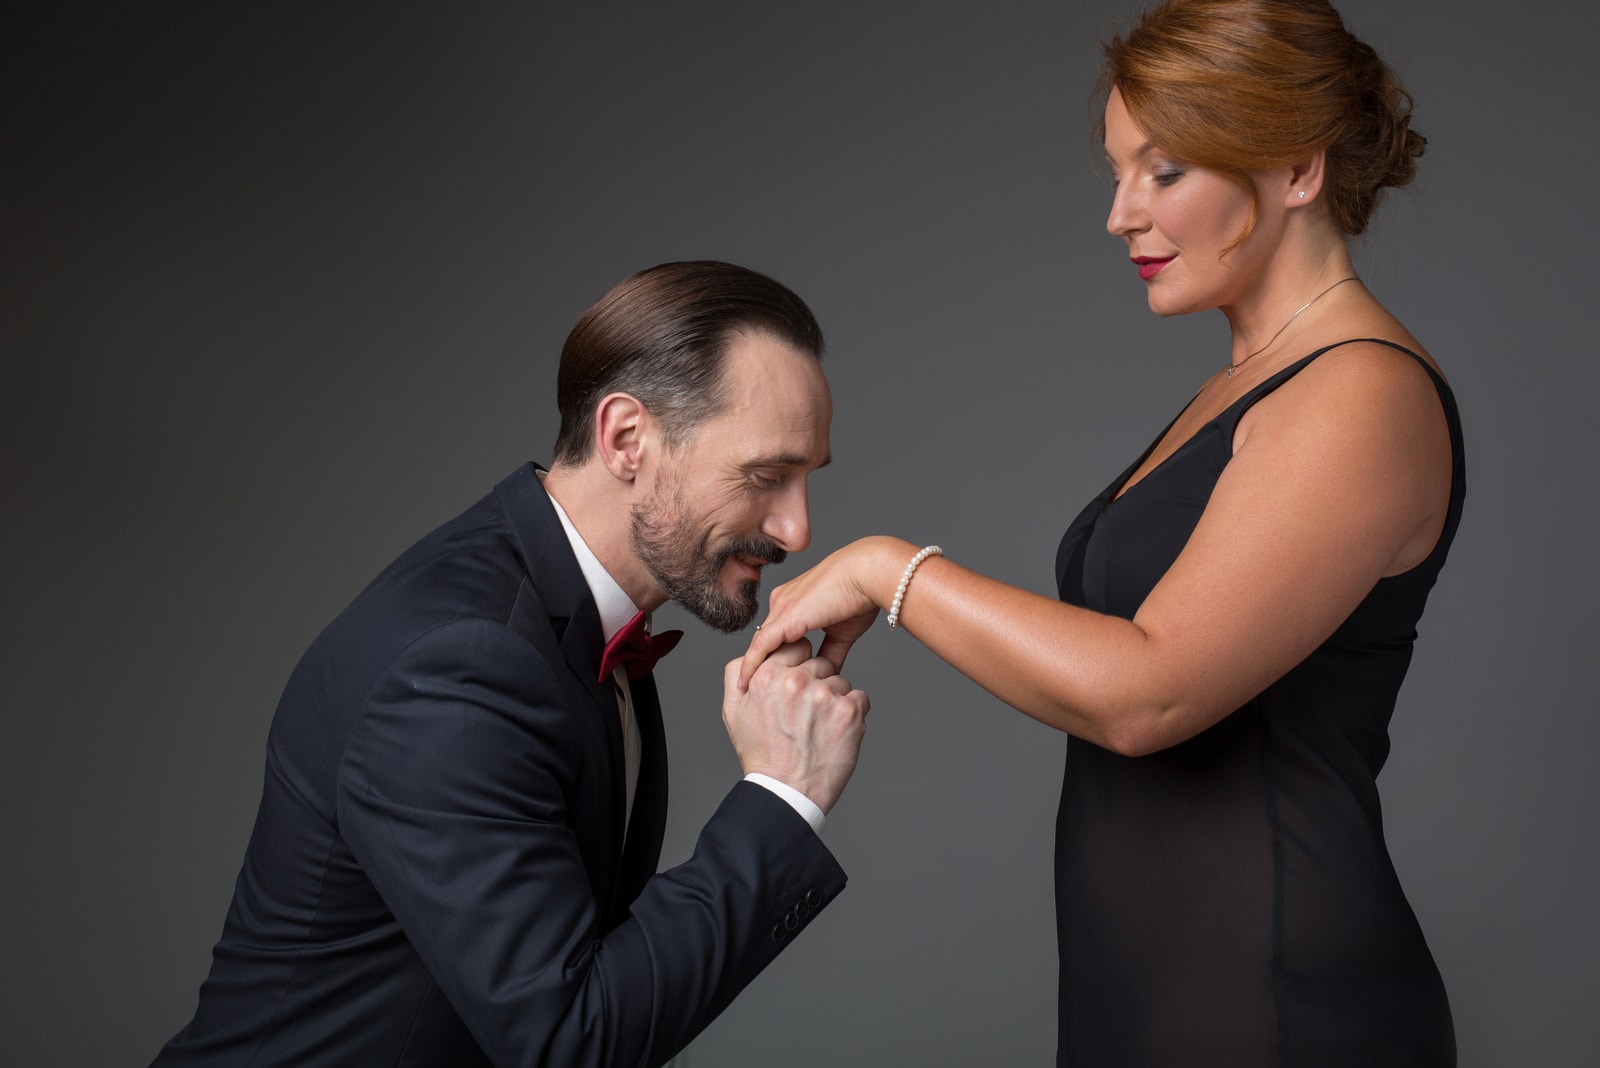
<point>453,796</point>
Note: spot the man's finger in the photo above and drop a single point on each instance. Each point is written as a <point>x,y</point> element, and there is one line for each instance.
<point>822,667</point>
<point>792,654</point>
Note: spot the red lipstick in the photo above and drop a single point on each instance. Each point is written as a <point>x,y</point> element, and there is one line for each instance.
<point>1150,266</point>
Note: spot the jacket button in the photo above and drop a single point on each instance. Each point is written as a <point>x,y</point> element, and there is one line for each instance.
<point>791,921</point>
<point>802,910</point>
<point>779,932</point>
<point>814,898</point>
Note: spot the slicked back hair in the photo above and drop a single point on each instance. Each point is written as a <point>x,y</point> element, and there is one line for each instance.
<point>662,336</point>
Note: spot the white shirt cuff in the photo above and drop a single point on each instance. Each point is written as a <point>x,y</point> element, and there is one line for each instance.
<point>798,801</point>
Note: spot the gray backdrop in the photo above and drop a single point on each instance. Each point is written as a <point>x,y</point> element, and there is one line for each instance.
<point>283,289</point>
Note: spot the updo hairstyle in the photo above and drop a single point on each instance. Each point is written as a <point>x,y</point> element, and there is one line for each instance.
<point>1241,85</point>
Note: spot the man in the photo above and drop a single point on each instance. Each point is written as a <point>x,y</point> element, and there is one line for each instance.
<point>454,860</point>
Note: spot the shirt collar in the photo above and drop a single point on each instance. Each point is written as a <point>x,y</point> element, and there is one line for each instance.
<point>616,607</point>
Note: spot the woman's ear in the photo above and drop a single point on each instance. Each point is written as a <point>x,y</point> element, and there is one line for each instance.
<point>1305,180</point>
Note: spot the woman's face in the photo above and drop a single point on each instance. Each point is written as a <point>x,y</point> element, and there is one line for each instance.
<point>1176,219</point>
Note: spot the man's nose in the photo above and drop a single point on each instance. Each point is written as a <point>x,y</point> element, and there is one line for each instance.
<point>789,524</point>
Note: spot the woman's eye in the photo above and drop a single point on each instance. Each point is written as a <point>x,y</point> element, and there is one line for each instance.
<point>1168,177</point>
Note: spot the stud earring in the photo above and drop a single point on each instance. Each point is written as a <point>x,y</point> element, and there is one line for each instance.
<point>1302,194</point>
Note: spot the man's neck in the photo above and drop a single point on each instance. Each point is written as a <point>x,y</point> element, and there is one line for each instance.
<point>598,510</point>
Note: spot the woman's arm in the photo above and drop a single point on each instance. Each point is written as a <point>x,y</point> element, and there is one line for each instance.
<point>1340,477</point>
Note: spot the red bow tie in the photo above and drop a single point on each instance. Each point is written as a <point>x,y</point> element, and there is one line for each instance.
<point>637,650</point>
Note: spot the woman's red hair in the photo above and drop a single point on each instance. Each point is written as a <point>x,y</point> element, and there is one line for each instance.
<point>1242,85</point>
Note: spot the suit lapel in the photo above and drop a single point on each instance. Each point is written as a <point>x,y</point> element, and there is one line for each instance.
<point>554,572</point>
<point>647,826</point>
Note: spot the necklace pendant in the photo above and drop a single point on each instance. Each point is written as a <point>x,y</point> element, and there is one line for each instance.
<point>1231,369</point>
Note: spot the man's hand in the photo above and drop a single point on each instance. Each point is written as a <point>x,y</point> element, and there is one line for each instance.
<point>797,720</point>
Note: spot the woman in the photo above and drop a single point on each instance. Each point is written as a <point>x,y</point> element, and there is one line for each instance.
<point>1237,608</point>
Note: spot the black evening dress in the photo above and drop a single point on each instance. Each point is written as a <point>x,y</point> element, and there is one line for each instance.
<point>1230,901</point>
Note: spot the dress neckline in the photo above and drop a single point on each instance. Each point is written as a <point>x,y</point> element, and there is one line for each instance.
<point>1120,488</point>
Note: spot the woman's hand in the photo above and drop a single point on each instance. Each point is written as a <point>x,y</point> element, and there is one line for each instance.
<point>841,597</point>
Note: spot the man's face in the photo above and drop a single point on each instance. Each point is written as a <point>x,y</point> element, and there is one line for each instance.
<point>731,497</point>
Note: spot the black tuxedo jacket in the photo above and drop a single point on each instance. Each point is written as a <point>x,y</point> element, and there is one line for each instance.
<point>438,873</point>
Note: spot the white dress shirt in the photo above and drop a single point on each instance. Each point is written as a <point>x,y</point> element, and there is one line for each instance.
<point>616,609</point>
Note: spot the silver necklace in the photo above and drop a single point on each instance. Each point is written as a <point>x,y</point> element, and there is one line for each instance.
<point>1232,367</point>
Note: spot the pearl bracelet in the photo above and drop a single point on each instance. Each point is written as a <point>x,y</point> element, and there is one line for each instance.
<point>905,580</point>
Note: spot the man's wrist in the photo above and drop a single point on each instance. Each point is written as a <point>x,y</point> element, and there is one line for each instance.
<point>807,808</point>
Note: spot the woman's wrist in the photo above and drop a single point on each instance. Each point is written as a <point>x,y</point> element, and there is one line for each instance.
<point>885,567</point>
<point>925,553</point>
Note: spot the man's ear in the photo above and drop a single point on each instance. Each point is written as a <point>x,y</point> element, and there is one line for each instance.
<point>621,427</point>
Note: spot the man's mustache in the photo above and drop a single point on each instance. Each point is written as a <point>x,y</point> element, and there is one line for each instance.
<point>763,549</point>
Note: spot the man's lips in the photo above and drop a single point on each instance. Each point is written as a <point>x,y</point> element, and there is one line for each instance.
<point>1150,266</point>
<point>752,554</point>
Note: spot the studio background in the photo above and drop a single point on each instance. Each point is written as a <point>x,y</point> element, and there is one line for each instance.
<point>284,287</point>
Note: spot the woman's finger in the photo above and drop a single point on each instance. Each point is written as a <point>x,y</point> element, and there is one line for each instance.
<point>834,649</point>
<point>768,637</point>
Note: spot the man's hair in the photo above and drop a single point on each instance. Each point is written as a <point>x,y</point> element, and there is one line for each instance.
<point>662,336</point>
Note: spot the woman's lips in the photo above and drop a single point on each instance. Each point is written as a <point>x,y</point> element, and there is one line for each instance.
<point>1150,266</point>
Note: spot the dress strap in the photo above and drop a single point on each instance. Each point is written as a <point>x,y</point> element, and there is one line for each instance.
<point>1447,401</point>
<point>1246,402</point>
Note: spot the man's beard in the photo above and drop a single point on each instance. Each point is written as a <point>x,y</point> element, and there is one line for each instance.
<point>686,566</point>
